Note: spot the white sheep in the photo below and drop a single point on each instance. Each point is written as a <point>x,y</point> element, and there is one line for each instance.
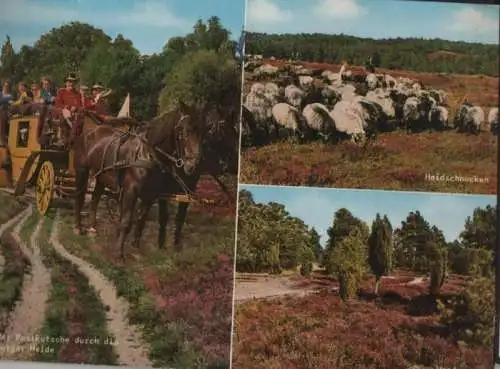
<point>372,81</point>
<point>294,95</point>
<point>257,88</point>
<point>319,120</point>
<point>348,118</point>
<point>438,117</point>
<point>493,119</point>
<point>289,118</point>
<point>306,81</point>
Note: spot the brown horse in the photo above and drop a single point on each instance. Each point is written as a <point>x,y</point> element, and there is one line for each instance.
<point>138,166</point>
<point>220,156</point>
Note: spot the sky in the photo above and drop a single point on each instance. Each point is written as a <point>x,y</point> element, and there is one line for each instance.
<point>148,23</point>
<point>316,206</point>
<point>377,19</point>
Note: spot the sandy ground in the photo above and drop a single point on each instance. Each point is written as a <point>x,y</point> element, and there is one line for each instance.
<point>260,286</point>
<point>28,316</point>
<point>130,350</point>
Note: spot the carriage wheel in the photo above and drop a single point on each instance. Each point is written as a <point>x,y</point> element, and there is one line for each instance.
<point>44,187</point>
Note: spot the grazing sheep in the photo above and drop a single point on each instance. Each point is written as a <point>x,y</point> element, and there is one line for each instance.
<point>347,92</point>
<point>348,119</point>
<point>416,89</point>
<point>272,93</point>
<point>294,95</point>
<point>438,118</point>
<point>306,81</point>
<point>266,69</point>
<point>384,101</point>
<point>289,120</point>
<point>372,81</point>
<point>390,81</point>
<point>257,88</point>
<point>411,113</point>
<point>469,119</point>
<point>493,120</point>
<point>319,120</point>
<point>331,96</point>
<point>440,96</point>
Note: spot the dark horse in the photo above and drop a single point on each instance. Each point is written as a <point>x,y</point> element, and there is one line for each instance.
<point>220,156</point>
<point>138,166</point>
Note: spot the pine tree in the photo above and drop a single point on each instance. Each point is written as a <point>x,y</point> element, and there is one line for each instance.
<point>380,249</point>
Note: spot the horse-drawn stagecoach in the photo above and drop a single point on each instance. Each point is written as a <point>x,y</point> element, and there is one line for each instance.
<point>33,160</point>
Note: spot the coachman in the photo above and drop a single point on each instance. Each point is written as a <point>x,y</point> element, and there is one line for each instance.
<point>68,101</point>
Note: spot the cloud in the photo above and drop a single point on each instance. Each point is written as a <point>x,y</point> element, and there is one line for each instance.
<point>338,9</point>
<point>150,13</point>
<point>470,20</point>
<point>25,11</point>
<point>266,12</point>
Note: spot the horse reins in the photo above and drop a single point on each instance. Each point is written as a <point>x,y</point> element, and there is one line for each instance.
<point>153,150</point>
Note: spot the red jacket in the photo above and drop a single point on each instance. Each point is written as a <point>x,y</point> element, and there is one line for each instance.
<point>71,98</point>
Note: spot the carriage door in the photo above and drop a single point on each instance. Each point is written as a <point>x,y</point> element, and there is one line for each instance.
<point>22,142</point>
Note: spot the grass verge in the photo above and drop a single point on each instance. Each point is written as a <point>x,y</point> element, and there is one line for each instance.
<point>74,309</point>
<point>397,161</point>
<point>182,300</point>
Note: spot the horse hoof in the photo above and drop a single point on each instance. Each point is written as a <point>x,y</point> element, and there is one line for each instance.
<point>92,231</point>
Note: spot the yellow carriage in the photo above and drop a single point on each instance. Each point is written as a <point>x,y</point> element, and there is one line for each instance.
<point>48,169</point>
<point>25,163</point>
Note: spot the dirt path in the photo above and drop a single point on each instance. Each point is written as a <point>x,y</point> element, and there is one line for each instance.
<point>130,350</point>
<point>260,286</point>
<point>263,286</point>
<point>417,280</point>
<point>28,316</point>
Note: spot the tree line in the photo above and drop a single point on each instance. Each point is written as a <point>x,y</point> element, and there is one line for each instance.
<point>270,240</point>
<point>417,54</point>
<point>204,57</point>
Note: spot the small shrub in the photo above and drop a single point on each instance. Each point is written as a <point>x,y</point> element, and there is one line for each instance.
<point>472,313</point>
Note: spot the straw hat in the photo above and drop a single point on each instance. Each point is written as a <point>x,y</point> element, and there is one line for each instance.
<point>98,86</point>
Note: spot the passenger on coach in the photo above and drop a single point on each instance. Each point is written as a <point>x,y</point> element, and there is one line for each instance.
<point>5,98</point>
<point>5,95</point>
<point>47,95</point>
<point>97,103</point>
<point>86,99</point>
<point>22,105</point>
<point>35,90</point>
<point>69,100</point>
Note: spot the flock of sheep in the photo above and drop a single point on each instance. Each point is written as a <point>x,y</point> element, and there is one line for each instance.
<point>334,106</point>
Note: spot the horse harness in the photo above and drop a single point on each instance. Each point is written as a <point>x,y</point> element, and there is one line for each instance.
<point>148,162</point>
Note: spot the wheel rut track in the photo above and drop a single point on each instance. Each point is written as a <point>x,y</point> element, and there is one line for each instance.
<point>28,316</point>
<point>131,350</point>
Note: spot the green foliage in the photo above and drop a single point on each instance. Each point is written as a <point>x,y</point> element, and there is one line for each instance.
<point>117,65</point>
<point>347,261</point>
<point>315,244</point>
<point>437,261</point>
<point>202,77</point>
<point>411,242</point>
<point>480,229</point>
<point>472,253</point>
<point>416,54</point>
<point>269,239</point>
<point>90,53</point>
<point>380,248</point>
<point>343,224</point>
<point>471,315</point>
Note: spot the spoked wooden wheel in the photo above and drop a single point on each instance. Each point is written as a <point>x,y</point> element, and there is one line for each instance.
<point>45,187</point>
